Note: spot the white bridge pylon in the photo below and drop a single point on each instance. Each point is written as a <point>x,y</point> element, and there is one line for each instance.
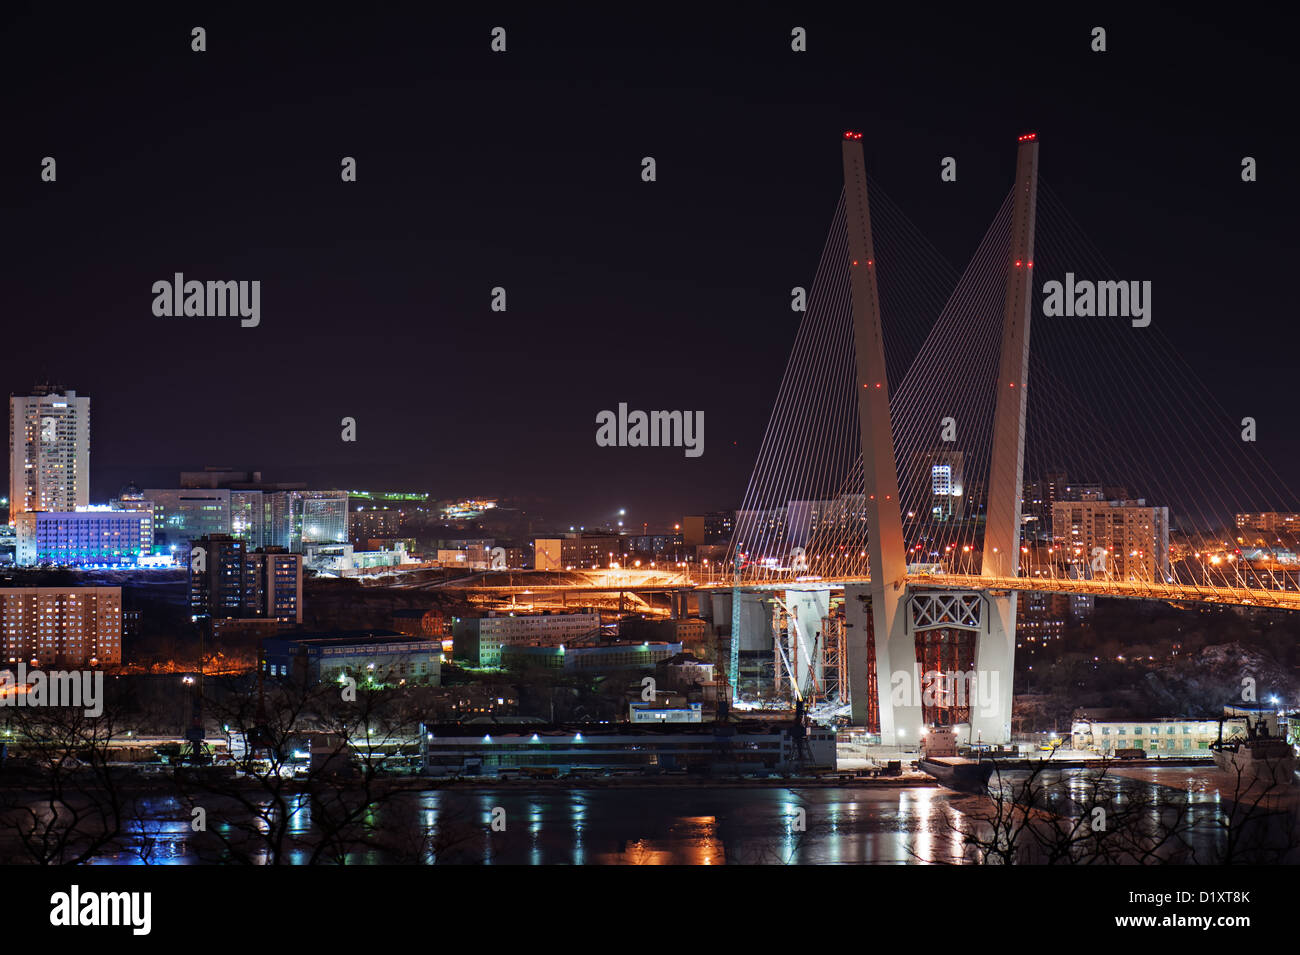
<point>882,606</point>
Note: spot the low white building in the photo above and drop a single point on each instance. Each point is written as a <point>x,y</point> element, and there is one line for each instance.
<point>342,560</point>
<point>1157,737</point>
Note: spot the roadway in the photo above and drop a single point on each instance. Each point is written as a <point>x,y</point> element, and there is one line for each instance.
<point>542,583</point>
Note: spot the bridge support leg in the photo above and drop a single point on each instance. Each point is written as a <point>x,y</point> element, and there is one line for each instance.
<point>898,676</point>
<point>995,655</point>
<point>809,607</point>
<point>751,633</point>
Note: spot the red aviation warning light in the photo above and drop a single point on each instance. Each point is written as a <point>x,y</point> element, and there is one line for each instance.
<point>850,134</point>
<point>1027,138</point>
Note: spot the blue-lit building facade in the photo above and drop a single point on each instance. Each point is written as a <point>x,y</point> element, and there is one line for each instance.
<point>88,537</point>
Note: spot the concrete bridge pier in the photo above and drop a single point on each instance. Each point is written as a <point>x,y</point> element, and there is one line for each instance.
<point>898,675</point>
<point>995,655</point>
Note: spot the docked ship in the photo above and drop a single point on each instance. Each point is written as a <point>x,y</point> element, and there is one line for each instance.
<point>941,761</point>
<point>1263,755</point>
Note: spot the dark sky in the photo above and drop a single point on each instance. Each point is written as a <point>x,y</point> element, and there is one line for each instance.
<point>523,170</point>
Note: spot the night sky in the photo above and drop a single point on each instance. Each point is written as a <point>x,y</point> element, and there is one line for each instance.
<point>522,170</point>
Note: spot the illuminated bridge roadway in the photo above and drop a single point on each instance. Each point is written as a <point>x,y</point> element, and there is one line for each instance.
<point>603,582</point>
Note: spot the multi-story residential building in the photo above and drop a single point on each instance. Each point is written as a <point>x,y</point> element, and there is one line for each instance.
<point>62,626</point>
<point>480,639</point>
<point>231,581</point>
<point>714,527</point>
<point>667,547</point>
<point>760,528</point>
<point>1040,621</point>
<point>366,523</point>
<point>1270,522</point>
<point>49,451</point>
<point>517,558</point>
<point>277,576</point>
<point>87,537</point>
<point>577,551</point>
<point>1116,540</point>
<point>806,519</point>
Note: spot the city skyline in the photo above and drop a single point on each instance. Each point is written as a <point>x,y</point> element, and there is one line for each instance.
<point>566,438</point>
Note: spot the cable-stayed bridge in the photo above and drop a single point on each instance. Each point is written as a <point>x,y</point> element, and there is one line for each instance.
<point>919,474</point>
<point>905,464</point>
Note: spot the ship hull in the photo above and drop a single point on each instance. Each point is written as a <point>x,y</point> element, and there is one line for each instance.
<point>1276,770</point>
<point>962,775</point>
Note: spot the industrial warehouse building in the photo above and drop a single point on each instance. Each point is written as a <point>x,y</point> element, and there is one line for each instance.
<point>376,657</point>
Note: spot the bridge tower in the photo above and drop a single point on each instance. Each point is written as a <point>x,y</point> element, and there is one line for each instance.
<point>882,607</point>
<point>895,651</point>
<point>996,648</point>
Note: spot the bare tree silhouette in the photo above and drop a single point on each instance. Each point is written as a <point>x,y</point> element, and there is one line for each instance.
<point>1094,817</point>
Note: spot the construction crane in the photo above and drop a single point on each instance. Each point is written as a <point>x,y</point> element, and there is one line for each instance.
<point>733,671</point>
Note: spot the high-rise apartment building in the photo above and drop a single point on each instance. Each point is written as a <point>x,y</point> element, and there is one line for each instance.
<point>230,580</point>
<point>65,626</point>
<point>940,484</point>
<point>1114,540</point>
<point>49,451</point>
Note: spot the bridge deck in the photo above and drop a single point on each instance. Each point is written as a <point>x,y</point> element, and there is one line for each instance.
<point>1132,589</point>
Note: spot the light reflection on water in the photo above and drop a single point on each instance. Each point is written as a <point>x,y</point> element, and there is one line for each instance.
<point>696,826</point>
